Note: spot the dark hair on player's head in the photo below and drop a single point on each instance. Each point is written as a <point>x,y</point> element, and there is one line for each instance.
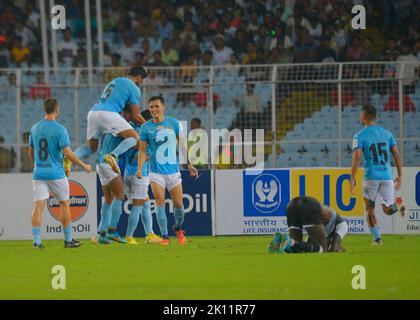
<point>50,105</point>
<point>370,111</point>
<point>146,114</point>
<point>160,98</point>
<point>196,120</point>
<point>137,70</point>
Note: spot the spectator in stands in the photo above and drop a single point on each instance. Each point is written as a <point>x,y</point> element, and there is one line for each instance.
<point>128,51</point>
<point>324,53</point>
<point>355,51</point>
<point>221,53</point>
<point>251,107</point>
<point>165,28</point>
<point>207,58</point>
<point>391,52</point>
<point>67,49</point>
<point>194,137</point>
<point>4,54</point>
<point>147,52</point>
<point>20,53</point>
<point>315,28</point>
<point>240,41</point>
<point>80,60</point>
<point>233,67</point>
<point>154,82</point>
<point>251,54</point>
<point>7,157</point>
<point>145,28</point>
<point>169,54</point>
<point>188,34</point>
<point>28,38</point>
<point>157,59</point>
<point>26,164</point>
<point>115,72</point>
<point>368,55</point>
<point>41,89</point>
<point>410,68</point>
<point>305,50</point>
<point>392,104</point>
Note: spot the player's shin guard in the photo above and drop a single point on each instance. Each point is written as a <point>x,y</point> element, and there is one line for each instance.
<point>133,220</point>
<point>83,151</point>
<point>105,218</point>
<point>146,218</point>
<point>36,232</point>
<point>162,221</point>
<point>124,146</point>
<point>179,214</point>
<point>116,210</point>
<point>67,233</point>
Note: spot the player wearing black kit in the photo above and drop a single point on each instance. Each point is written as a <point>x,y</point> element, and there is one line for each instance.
<point>325,228</point>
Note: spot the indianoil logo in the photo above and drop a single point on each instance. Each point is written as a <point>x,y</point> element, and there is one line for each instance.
<point>79,202</point>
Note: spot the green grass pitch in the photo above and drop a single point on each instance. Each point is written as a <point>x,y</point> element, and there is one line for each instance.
<point>210,268</point>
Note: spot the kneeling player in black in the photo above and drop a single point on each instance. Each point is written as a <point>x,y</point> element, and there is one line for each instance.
<point>325,228</point>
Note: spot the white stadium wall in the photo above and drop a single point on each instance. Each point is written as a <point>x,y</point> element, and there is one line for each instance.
<point>240,211</point>
<point>16,208</point>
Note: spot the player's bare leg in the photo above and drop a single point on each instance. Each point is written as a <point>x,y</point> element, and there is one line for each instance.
<point>159,195</point>
<point>131,138</point>
<point>179,213</point>
<point>65,212</point>
<point>36,223</point>
<point>372,221</point>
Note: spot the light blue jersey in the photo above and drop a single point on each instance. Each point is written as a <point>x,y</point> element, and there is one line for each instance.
<point>116,94</point>
<point>108,143</point>
<point>162,141</point>
<point>375,143</point>
<point>48,138</point>
<point>131,159</point>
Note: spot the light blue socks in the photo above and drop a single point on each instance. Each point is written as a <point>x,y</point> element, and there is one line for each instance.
<point>162,221</point>
<point>124,146</point>
<point>116,210</point>
<point>179,214</point>
<point>105,217</point>
<point>133,220</point>
<point>36,232</point>
<point>146,218</point>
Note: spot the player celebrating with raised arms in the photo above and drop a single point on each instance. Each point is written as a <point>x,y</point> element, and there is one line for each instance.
<point>376,143</point>
<point>161,135</point>
<point>104,117</point>
<point>48,142</point>
<point>137,191</point>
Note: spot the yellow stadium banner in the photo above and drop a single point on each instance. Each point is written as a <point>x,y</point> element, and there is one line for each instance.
<point>331,187</point>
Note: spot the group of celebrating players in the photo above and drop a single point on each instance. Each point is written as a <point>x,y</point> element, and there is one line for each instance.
<point>135,150</point>
<point>140,149</point>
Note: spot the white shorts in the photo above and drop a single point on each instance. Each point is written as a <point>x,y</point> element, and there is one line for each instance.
<point>99,122</point>
<point>169,181</point>
<point>136,188</point>
<point>105,173</point>
<point>383,188</point>
<point>43,188</point>
<point>341,229</point>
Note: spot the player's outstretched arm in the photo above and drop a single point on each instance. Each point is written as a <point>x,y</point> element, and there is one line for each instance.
<point>357,155</point>
<point>69,154</point>
<point>396,154</point>
<point>136,115</point>
<point>142,157</point>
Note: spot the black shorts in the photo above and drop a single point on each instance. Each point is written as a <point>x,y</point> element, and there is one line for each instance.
<point>303,212</point>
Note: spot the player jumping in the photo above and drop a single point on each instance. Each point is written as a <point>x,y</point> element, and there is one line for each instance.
<point>326,229</point>
<point>47,143</point>
<point>137,191</point>
<point>376,143</point>
<point>104,117</point>
<point>161,135</point>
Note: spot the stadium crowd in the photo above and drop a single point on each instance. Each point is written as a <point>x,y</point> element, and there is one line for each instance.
<point>228,32</point>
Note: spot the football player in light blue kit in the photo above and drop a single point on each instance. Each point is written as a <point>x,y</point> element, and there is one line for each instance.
<point>113,190</point>
<point>48,142</point>
<point>161,135</point>
<point>104,117</point>
<point>137,192</point>
<point>376,144</point>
